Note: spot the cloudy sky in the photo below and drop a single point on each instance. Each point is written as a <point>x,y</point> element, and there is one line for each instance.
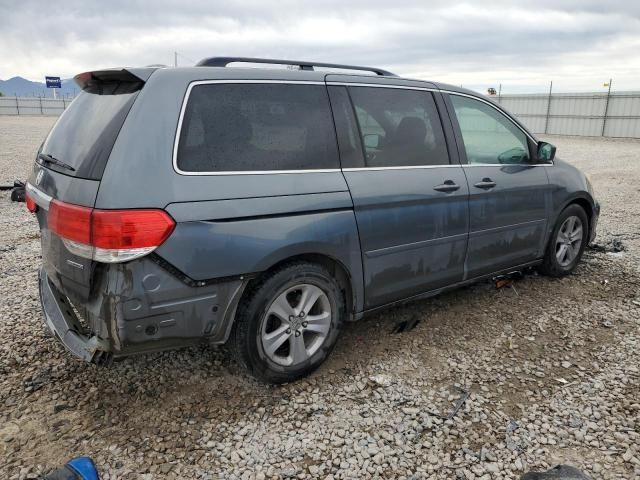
<point>579,44</point>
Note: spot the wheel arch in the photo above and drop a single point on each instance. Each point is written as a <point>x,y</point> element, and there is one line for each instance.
<point>585,204</point>
<point>335,266</point>
<point>582,200</point>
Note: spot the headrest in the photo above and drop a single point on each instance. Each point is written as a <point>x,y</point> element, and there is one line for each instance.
<point>411,129</point>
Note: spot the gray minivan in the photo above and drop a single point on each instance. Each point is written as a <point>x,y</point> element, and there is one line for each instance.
<point>263,207</point>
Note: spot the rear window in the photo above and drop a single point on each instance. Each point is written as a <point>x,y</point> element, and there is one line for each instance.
<point>399,127</point>
<point>85,133</point>
<point>257,127</point>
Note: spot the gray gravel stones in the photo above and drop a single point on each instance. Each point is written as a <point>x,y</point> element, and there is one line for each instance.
<point>20,138</point>
<point>553,373</point>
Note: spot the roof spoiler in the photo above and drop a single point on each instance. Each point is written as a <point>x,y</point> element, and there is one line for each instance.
<point>113,81</point>
<point>224,61</point>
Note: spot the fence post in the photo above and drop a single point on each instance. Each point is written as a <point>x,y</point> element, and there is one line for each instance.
<point>606,109</point>
<point>499,92</point>
<point>17,105</point>
<point>546,122</point>
<point>64,105</point>
<point>41,111</point>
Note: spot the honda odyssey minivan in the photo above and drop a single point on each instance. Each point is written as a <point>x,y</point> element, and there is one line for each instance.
<point>263,207</point>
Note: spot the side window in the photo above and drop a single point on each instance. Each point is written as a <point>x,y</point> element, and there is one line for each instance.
<point>246,127</point>
<point>346,128</point>
<point>488,135</point>
<point>399,127</point>
<point>368,124</point>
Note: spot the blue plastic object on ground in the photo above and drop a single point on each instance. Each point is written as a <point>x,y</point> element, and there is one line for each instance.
<point>84,467</point>
<point>80,468</point>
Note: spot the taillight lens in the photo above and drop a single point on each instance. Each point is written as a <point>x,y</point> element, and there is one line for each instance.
<point>32,206</point>
<point>109,236</point>
<point>72,222</point>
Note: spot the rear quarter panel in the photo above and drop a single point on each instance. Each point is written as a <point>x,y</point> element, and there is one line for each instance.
<point>215,239</point>
<point>230,237</point>
<point>205,249</point>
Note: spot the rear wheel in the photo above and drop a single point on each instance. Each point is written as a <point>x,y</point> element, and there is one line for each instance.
<point>288,323</point>
<point>567,243</point>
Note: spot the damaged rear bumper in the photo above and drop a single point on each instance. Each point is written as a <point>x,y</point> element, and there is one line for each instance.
<point>64,325</point>
<point>137,307</point>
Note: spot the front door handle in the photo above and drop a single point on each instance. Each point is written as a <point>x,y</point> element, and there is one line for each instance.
<point>448,186</point>
<point>485,184</point>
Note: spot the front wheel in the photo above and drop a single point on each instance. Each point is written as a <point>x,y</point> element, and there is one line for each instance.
<point>567,243</point>
<point>288,323</point>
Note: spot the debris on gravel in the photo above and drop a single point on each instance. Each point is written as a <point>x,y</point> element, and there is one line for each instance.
<point>559,472</point>
<point>551,371</point>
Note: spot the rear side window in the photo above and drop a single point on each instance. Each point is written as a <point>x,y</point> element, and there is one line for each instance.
<point>257,127</point>
<point>399,127</point>
<point>85,133</point>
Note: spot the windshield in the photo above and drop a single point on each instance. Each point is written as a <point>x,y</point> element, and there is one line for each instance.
<point>85,133</point>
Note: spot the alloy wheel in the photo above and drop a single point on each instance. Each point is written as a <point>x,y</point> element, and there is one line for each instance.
<point>296,324</point>
<point>569,240</point>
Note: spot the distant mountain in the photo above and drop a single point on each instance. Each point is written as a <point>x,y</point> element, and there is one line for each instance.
<point>26,88</point>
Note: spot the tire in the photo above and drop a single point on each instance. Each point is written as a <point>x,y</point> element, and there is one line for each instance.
<point>555,263</point>
<point>271,322</point>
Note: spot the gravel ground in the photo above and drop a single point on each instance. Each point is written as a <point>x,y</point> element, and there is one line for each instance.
<point>551,366</point>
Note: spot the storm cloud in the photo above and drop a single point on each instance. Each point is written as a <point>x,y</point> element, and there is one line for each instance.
<point>521,45</point>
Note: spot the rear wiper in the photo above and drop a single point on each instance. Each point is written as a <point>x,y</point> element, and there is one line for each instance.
<point>45,157</point>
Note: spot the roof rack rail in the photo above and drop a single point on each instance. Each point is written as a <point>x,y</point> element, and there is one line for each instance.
<point>224,61</point>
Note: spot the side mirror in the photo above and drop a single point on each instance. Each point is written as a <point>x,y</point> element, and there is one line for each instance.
<point>372,140</point>
<point>546,152</point>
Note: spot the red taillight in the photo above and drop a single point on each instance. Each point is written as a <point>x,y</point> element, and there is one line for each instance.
<point>72,222</point>
<point>109,235</point>
<point>31,205</point>
<point>130,228</point>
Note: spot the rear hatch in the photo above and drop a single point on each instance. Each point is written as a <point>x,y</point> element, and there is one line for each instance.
<point>70,164</point>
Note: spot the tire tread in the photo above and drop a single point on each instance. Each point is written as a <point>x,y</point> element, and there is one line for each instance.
<point>248,307</point>
<point>550,265</point>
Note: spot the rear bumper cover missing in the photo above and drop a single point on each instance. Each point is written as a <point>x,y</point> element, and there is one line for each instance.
<point>138,307</point>
<point>64,325</point>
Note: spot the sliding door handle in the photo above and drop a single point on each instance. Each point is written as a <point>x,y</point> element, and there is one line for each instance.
<point>448,186</point>
<point>485,184</point>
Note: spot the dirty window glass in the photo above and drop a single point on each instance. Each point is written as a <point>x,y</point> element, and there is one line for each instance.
<point>399,127</point>
<point>489,137</point>
<point>351,154</point>
<point>86,132</point>
<point>244,127</point>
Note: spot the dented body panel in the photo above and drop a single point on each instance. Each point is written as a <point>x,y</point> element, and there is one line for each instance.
<point>139,306</point>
